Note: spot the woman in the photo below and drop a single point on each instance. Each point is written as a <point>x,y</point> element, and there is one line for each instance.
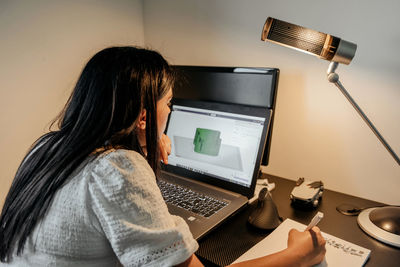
<point>86,194</point>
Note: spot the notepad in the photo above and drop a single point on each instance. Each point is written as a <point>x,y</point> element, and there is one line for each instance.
<point>338,251</point>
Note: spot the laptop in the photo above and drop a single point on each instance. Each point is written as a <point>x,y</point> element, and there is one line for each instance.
<point>214,162</point>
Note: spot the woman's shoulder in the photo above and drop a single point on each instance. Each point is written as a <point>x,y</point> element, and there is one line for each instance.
<point>119,153</point>
<point>120,166</point>
<point>121,158</point>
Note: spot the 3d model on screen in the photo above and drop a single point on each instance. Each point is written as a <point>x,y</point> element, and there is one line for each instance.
<point>227,156</point>
<point>207,141</point>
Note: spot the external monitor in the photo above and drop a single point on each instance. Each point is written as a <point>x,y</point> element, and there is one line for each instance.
<point>236,85</point>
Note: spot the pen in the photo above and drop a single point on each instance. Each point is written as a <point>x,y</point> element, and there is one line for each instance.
<point>315,220</point>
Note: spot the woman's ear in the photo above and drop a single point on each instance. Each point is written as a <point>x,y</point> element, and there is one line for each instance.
<point>141,124</point>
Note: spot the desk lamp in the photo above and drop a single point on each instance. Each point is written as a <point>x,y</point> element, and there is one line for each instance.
<point>382,223</point>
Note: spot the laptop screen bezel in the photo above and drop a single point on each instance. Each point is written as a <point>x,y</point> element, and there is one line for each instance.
<point>237,109</point>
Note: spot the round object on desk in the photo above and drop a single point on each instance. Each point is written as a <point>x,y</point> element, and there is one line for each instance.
<point>348,209</point>
<point>382,223</point>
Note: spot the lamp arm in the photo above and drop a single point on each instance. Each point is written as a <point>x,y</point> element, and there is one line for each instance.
<point>334,78</point>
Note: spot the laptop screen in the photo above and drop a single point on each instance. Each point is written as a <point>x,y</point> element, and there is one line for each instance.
<point>223,142</point>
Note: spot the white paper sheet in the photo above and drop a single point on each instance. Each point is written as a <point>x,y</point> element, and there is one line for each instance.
<point>338,251</point>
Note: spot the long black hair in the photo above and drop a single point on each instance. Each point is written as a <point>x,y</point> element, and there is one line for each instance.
<point>114,87</point>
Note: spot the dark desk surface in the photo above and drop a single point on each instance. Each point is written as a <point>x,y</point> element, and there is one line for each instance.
<point>234,237</point>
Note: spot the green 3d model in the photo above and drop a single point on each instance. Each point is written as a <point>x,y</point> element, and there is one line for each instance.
<point>207,141</point>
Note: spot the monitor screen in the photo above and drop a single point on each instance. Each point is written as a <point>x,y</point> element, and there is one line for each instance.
<point>235,85</point>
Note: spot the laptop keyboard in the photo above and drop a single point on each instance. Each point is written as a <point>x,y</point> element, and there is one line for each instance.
<point>190,200</point>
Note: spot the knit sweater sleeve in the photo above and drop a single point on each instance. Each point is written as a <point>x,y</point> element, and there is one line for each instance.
<point>132,214</point>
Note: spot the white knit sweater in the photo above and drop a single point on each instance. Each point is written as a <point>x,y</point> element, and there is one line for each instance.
<point>110,212</point>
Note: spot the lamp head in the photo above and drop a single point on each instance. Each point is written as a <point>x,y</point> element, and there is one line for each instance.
<point>316,43</point>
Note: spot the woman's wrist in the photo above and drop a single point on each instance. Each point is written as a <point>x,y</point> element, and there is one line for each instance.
<point>294,257</point>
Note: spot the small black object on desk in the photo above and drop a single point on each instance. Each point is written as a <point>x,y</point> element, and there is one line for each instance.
<point>265,215</point>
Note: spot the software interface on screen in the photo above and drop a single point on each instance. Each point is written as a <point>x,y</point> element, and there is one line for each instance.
<point>220,144</point>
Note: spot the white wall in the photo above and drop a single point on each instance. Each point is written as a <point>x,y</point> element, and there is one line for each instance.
<point>317,134</point>
<point>44,45</point>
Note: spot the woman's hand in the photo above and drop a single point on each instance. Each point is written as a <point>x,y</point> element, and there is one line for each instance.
<point>308,245</point>
<point>165,148</point>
